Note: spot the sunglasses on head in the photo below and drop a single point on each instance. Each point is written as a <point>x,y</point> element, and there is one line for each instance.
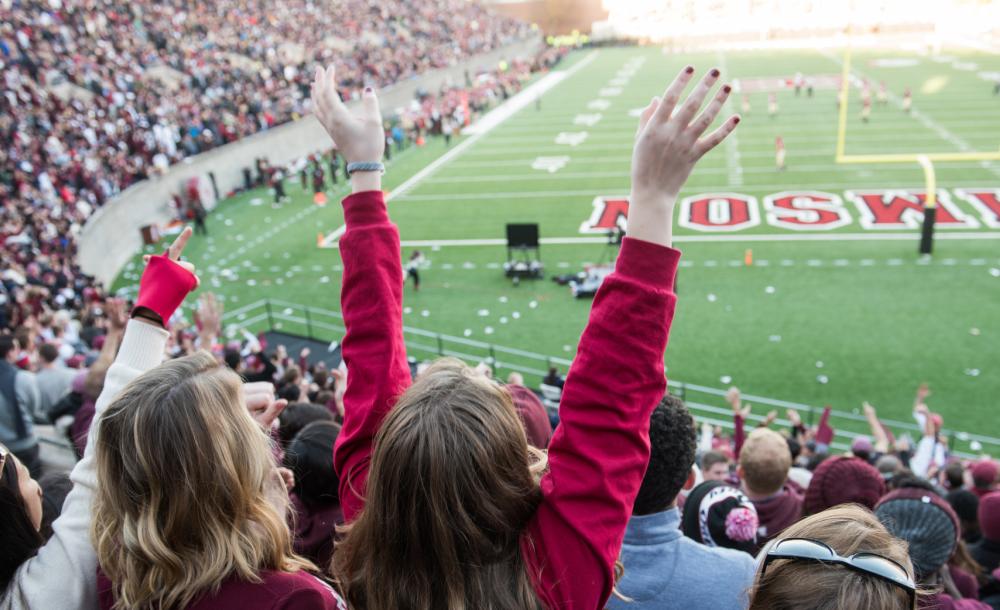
<point>803,549</point>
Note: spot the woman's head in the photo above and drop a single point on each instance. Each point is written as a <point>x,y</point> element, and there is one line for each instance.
<point>193,495</point>
<point>20,515</point>
<point>452,486</point>
<point>310,456</point>
<point>790,583</point>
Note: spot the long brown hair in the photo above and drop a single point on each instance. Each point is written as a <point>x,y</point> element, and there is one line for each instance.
<point>452,486</point>
<point>847,529</point>
<point>189,495</point>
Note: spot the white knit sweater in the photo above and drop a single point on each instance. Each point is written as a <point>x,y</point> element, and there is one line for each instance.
<point>62,576</point>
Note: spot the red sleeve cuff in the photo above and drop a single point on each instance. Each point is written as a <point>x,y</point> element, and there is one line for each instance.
<point>648,262</point>
<point>365,208</point>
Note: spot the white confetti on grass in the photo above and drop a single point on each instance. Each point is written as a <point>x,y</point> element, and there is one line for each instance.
<point>482,313</point>
<point>725,379</point>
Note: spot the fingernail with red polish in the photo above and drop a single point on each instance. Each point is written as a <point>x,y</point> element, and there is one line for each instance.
<point>727,89</point>
<point>714,72</point>
<point>689,69</point>
<point>736,120</point>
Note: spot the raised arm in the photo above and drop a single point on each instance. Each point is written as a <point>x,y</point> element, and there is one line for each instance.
<point>878,430</point>
<point>63,574</point>
<point>741,413</point>
<point>372,295</point>
<point>599,452</point>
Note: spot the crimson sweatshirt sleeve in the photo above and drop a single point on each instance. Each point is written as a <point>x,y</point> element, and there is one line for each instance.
<point>600,450</point>
<point>824,432</point>
<point>372,304</point>
<point>739,434</point>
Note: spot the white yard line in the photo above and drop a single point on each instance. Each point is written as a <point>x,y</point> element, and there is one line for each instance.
<point>924,119</point>
<point>561,241</point>
<point>624,163</point>
<point>733,141</point>
<point>484,126</point>
<point>692,189</point>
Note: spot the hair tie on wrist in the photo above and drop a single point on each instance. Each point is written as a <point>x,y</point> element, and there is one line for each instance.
<point>365,166</point>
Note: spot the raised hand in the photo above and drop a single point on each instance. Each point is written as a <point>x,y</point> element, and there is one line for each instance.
<point>209,319</point>
<point>794,418</point>
<point>667,147</point>
<point>114,309</point>
<point>340,387</point>
<point>359,136</point>
<point>165,282</point>
<point>261,404</point>
<point>733,398</point>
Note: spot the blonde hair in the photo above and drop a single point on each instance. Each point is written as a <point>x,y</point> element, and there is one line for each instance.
<point>453,485</point>
<point>188,492</point>
<point>847,529</point>
<point>765,460</point>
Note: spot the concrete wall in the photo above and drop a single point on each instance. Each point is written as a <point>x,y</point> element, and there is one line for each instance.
<point>112,235</point>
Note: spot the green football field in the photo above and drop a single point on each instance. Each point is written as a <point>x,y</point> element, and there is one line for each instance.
<point>834,315</point>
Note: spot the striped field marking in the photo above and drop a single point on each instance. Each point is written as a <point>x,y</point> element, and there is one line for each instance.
<point>560,241</point>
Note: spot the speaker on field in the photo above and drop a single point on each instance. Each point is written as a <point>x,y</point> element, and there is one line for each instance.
<point>522,236</point>
<point>523,256</point>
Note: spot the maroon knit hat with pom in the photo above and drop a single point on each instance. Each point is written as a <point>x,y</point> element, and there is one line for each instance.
<point>843,480</point>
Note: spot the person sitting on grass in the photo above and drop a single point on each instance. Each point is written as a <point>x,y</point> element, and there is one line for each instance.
<point>446,506</point>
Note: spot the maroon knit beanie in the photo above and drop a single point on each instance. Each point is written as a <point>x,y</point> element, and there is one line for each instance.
<point>989,516</point>
<point>842,480</point>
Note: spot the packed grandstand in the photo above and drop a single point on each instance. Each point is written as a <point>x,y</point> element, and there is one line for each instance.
<point>240,472</point>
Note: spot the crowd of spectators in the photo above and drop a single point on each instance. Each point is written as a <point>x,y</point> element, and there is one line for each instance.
<point>232,474</point>
<point>98,95</point>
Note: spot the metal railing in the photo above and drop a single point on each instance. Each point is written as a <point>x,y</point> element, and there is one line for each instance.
<point>705,403</point>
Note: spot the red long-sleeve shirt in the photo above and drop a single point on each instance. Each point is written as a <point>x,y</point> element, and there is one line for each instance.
<point>598,454</point>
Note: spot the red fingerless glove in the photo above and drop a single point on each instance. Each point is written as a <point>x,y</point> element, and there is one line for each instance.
<point>163,286</point>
